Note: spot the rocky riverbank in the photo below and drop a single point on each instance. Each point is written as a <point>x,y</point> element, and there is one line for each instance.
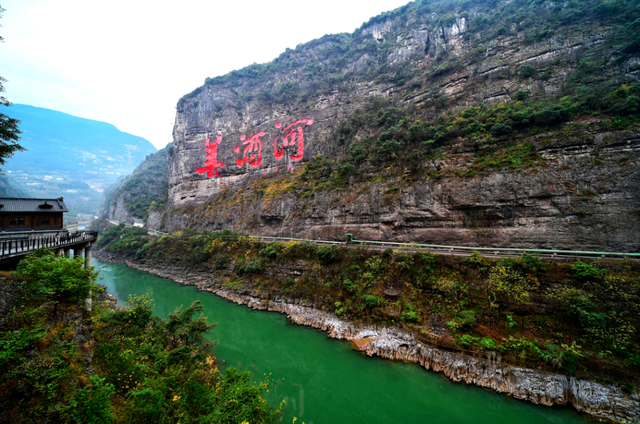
<point>536,386</point>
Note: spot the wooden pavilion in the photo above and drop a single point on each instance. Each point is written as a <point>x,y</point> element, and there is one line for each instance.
<point>23,214</point>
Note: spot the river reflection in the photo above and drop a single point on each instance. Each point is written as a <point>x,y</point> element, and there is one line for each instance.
<point>325,380</point>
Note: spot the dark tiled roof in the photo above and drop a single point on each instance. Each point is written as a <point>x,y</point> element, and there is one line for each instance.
<point>16,204</point>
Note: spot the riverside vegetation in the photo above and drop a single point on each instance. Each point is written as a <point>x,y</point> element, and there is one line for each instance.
<point>576,317</point>
<point>62,363</point>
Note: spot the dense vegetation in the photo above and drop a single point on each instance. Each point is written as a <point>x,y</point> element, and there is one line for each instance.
<point>380,135</point>
<point>62,363</point>
<point>580,318</point>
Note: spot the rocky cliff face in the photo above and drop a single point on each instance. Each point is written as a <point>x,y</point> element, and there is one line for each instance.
<point>140,195</point>
<point>569,203</point>
<point>242,141</point>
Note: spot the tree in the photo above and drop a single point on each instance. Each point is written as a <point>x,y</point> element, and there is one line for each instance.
<point>9,132</point>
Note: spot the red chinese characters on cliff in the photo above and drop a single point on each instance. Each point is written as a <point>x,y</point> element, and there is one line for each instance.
<point>253,144</point>
<point>293,135</point>
<point>212,158</point>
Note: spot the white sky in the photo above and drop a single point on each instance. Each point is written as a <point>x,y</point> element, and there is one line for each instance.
<point>127,62</point>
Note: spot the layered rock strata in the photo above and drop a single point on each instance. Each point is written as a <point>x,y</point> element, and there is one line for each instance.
<point>584,197</point>
<point>536,386</point>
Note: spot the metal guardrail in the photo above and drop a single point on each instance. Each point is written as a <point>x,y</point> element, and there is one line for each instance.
<point>10,247</point>
<point>461,250</point>
<point>445,249</point>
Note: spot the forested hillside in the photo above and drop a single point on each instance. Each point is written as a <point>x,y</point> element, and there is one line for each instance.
<point>140,195</point>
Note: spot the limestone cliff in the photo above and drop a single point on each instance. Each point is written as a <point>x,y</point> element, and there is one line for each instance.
<point>510,123</point>
<point>140,196</point>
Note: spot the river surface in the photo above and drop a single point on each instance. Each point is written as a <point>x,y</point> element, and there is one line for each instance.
<point>326,381</point>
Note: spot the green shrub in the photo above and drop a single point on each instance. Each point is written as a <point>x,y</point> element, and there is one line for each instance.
<point>527,71</point>
<point>270,251</point>
<point>349,285</point>
<point>468,340</point>
<point>122,239</point>
<point>551,115</point>
<point>522,95</point>
<point>403,261</point>
<point>533,263</point>
<point>477,260</point>
<point>467,318</point>
<point>328,254</point>
<point>288,283</point>
<point>563,356</point>
<point>253,267</point>
<point>162,369</point>
<point>631,106</point>
<point>410,316</point>
<point>501,128</point>
<point>222,261</point>
<point>141,254</point>
<point>454,326</point>
<point>12,343</point>
<point>488,343</point>
<point>586,271</point>
<point>372,301</point>
<point>388,148</point>
<point>92,405</point>
<point>49,276</point>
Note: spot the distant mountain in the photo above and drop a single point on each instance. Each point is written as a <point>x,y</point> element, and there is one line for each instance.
<point>72,157</point>
<point>9,188</point>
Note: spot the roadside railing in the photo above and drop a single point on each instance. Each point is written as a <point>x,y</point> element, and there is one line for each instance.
<point>25,244</point>
<point>443,249</point>
<point>459,250</point>
<point>150,231</point>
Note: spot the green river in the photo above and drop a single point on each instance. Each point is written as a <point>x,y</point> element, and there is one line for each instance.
<point>325,380</point>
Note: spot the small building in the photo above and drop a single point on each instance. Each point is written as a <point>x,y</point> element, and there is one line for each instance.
<point>31,215</point>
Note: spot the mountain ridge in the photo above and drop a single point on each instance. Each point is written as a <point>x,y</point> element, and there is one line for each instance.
<point>70,156</point>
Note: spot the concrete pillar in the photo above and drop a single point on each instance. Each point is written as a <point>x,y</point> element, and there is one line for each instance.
<point>87,256</point>
<point>87,264</point>
<point>67,253</point>
<point>77,252</point>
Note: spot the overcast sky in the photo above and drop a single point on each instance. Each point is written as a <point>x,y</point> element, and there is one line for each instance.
<point>127,62</point>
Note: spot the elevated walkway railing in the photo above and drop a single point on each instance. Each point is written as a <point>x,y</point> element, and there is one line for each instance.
<point>10,247</point>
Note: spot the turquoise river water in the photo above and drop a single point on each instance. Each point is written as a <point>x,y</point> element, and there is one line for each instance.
<point>325,380</point>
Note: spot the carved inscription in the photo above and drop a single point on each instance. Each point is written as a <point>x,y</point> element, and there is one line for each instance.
<point>292,142</point>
